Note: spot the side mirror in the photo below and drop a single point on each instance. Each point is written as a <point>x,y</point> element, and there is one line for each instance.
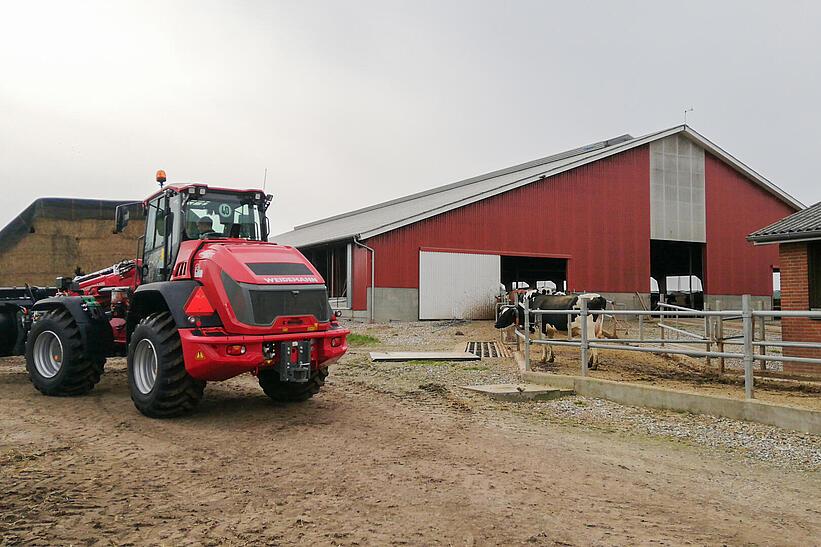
<point>121,217</point>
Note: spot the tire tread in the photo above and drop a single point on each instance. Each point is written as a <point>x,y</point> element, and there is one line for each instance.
<point>179,393</point>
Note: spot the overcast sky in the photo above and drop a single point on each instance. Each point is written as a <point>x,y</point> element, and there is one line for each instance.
<point>352,103</point>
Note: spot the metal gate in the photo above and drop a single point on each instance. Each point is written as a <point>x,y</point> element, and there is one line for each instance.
<point>458,285</point>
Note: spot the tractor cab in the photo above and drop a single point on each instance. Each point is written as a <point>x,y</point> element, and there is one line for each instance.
<point>185,212</point>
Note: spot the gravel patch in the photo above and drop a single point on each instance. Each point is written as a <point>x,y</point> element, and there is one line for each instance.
<point>437,384</point>
<point>756,441</point>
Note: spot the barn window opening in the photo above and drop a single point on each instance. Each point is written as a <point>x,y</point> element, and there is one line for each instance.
<point>333,262</point>
<point>814,263</point>
<point>677,273</point>
<point>776,289</point>
<point>534,272</point>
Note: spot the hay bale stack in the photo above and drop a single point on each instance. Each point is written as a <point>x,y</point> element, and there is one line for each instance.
<point>54,236</point>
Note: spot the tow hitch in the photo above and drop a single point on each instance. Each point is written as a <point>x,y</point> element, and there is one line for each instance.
<point>294,363</point>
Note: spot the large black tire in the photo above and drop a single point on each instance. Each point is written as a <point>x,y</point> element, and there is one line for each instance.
<point>161,388</point>
<point>291,392</point>
<point>56,360</point>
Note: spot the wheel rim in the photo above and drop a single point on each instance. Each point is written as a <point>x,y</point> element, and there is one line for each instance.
<point>145,366</point>
<point>48,354</point>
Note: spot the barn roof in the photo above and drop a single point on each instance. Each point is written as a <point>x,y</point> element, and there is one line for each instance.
<point>57,208</point>
<point>804,224</point>
<point>377,219</point>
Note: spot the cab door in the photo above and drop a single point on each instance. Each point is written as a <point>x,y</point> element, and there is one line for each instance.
<point>154,263</point>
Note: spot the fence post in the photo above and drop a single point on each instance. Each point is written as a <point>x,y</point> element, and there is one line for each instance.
<point>527,334</point>
<point>661,329</point>
<point>747,325</point>
<point>762,334</point>
<point>641,327</point>
<point>720,338</point>
<point>707,360</point>
<point>584,343</point>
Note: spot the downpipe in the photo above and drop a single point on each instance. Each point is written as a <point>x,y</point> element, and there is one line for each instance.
<point>373,272</point>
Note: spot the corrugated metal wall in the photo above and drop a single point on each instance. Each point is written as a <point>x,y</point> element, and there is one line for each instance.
<point>736,208</point>
<point>458,285</point>
<point>597,215</point>
<point>677,211</point>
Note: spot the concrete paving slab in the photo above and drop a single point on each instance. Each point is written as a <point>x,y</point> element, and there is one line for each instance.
<point>396,356</point>
<point>520,392</point>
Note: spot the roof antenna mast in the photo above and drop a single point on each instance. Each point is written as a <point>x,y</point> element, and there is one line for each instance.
<point>685,114</point>
<point>264,179</point>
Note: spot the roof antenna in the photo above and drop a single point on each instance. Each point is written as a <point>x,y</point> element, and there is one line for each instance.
<point>685,114</point>
<point>264,179</point>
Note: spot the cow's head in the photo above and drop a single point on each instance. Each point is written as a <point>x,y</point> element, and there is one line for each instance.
<point>595,301</point>
<point>507,317</point>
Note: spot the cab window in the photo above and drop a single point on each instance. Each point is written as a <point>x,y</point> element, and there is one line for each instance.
<point>222,216</point>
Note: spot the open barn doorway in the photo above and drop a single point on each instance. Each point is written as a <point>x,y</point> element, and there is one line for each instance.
<point>533,272</point>
<point>333,262</point>
<point>677,273</point>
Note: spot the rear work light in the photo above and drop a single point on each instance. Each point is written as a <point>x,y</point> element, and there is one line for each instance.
<point>198,304</point>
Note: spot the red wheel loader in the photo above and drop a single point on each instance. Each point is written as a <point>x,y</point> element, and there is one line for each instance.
<point>206,299</point>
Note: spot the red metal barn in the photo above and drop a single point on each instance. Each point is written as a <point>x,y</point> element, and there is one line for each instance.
<point>606,217</point>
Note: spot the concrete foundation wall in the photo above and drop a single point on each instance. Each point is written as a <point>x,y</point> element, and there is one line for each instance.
<point>394,304</point>
<point>807,421</point>
<point>733,301</point>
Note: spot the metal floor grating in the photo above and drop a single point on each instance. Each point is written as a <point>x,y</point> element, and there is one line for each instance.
<point>486,349</point>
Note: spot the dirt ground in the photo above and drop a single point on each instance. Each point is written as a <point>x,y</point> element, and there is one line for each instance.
<point>393,454</point>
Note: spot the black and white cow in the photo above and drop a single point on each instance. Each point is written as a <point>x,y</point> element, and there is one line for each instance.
<point>551,323</point>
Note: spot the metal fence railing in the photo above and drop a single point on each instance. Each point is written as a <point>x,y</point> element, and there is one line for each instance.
<point>713,335</point>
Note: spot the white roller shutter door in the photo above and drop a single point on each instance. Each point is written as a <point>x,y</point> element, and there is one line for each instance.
<point>458,285</point>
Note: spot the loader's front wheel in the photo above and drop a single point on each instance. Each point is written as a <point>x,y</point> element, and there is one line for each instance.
<point>160,386</point>
<point>291,392</point>
<point>56,360</point>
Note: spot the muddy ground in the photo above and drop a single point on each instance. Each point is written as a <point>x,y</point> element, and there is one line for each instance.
<point>394,454</point>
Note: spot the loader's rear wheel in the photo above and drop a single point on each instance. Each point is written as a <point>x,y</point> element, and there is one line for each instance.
<point>160,386</point>
<point>8,330</point>
<point>56,361</point>
<point>291,392</point>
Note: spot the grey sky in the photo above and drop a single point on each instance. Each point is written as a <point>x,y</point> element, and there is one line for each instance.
<point>351,103</point>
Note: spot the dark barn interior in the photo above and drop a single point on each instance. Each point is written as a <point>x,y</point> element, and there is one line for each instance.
<point>533,270</point>
<point>332,263</point>
<point>673,259</point>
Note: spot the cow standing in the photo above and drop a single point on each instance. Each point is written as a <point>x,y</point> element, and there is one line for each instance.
<point>551,323</point>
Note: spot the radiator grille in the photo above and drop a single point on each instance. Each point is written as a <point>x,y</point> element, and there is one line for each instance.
<point>262,304</point>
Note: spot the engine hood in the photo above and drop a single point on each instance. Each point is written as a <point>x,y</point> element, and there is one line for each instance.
<point>259,263</point>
